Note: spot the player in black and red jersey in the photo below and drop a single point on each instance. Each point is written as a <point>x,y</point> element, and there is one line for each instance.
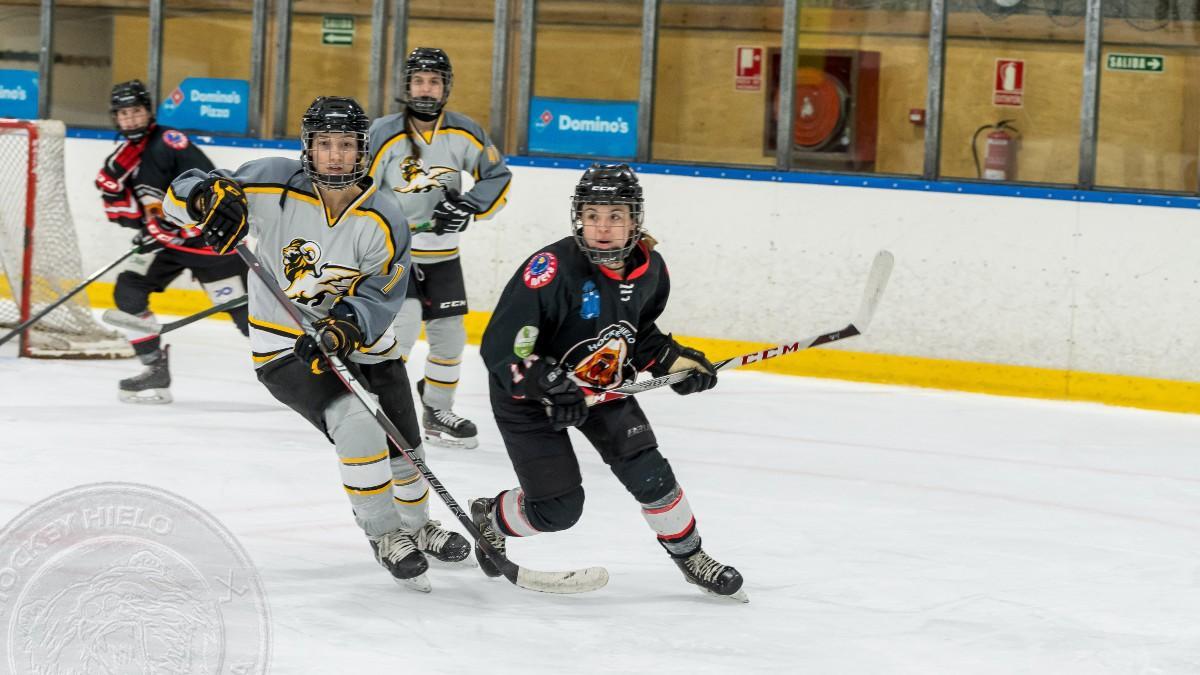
<point>581,313</point>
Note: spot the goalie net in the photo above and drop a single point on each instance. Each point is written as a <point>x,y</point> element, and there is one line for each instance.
<point>39,249</point>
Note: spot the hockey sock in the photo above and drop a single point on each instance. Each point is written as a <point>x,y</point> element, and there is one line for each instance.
<point>672,520</point>
<point>366,472</point>
<point>509,516</point>
<point>410,493</point>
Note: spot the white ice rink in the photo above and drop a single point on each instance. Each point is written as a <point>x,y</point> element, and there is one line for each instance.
<point>879,529</point>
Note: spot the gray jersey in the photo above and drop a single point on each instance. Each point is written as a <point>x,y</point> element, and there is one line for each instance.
<point>360,257</point>
<point>421,167</point>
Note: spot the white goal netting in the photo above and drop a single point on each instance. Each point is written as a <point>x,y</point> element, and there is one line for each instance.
<point>39,249</point>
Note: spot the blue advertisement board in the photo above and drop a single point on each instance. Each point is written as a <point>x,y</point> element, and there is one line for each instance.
<point>580,126</point>
<point>19,94</point>
<point>207,104</point>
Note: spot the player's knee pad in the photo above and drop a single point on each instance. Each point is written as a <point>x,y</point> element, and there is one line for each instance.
<point>132,292</point>
<point>556,513</point>
<point>354,431</point>
<point>407,326</point>
<point>447,337</point>
<point>646,474</point>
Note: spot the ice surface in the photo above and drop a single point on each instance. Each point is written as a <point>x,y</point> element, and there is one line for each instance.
<point>880,529</point>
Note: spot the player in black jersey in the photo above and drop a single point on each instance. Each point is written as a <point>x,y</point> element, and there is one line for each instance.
<point>133,183</point>
<point>581,313</point>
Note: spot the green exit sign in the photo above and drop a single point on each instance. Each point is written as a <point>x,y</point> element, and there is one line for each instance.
<point>1144,63</point>
<point>337,30</point>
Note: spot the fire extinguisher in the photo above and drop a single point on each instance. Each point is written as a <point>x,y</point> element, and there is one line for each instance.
<point>1000,154</point>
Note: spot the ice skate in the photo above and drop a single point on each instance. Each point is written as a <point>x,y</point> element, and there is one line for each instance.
<point>712,577</point>
<point>152,385</point>
<point>444,428</point>
<point>481,515</point>
<point>397,552</point>
<point>444,546</point>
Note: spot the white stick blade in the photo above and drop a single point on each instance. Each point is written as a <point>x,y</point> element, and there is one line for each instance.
<point>115,317</point>
<point>877,280</point>
<point>575,581</point>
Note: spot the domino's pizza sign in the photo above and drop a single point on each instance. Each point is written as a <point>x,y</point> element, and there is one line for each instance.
<point>576,126</point>
<point>207,104</point>
<point>19,94</point>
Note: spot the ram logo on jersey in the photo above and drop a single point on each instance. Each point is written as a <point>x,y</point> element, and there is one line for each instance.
<point>311,281</point>
<point>420,180</point>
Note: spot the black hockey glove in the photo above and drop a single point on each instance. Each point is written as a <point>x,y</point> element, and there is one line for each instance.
<point>548,384</point>
<point>452,214</point>
<point>219,206</point>
<point>146,242</point>
<point>339,334</point>
<point>675,357</point>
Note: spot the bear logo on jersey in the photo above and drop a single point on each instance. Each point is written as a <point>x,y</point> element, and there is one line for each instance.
<point>420,180</point>
<point>601,362</point>
<point>311,281</point>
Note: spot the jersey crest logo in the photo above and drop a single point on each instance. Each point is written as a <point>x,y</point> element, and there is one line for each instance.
<point>601,362</point>
<point>176,139</point>
<point>420,180</point>
<point>311,280</point>
<point>541,269</point>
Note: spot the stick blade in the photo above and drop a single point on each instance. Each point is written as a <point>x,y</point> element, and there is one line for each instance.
<point>564,583</point>
<point>877,280</point>
<point>115,317</point>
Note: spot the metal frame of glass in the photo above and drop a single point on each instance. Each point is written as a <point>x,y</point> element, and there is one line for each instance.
<point>503,126</point>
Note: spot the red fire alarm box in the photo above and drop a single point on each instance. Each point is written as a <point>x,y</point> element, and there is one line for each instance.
<point>836,109</point>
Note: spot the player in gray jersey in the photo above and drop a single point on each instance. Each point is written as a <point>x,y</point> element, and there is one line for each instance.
<point>420,155</point>
<point>340,250</point>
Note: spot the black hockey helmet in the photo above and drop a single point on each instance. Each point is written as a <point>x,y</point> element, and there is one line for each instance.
<point>607,184</point>
<point>335,114</point>
<point>128,95</point>
<point>432,60</point>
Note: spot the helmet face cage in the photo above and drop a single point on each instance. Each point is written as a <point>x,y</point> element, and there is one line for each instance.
<point>427,60</point>
<point>130,94</point>
<point>605,184</point>
<point>338,116</point>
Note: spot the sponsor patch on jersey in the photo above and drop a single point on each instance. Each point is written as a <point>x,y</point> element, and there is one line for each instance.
<point>590,308</point>
<point>541,269</point>
<point>175,139</point>
<point>523,343</point>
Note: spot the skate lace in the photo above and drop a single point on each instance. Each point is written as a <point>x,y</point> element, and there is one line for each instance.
<point>704,567</point>
<point>431,537</point>
<point>448,418</point>
<point>396,545</point>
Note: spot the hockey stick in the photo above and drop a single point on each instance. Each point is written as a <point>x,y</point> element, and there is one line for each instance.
<point>115,317</point>
<point>70,294</point>
<point>572,581</point>
<point>877,279</point>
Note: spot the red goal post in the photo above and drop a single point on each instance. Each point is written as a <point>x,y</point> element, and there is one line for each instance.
<point>39,248</point>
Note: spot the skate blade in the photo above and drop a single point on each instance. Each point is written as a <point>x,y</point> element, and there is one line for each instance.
<point>418,583</point>
<point>466,563</point>
<point>145,396</point>
<point>437,439</point>
<point>739,596</point>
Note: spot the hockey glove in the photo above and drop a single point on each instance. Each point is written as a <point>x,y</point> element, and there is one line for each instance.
<point>675,358</point>
<point>219,206</point>
<point>146,243</point>
<point>545,382</point>
<point>338,334</point>
<point>111,178</point>
<point>452,214</point>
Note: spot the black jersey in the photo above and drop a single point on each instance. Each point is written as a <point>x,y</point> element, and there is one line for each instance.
<point>169,153</point>
<point>599,324</point>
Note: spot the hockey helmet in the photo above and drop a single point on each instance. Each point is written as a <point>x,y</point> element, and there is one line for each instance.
<point>433,60</point>
<point>607,184</point>
<point>129,95</point>
<point>335,114</point>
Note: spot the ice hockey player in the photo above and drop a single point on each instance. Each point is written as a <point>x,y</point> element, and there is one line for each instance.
<point>580,314</point>
<point>340,250</point>
<point>421,154</point>
<point>132,184</point>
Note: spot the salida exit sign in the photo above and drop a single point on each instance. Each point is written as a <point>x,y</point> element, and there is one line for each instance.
<point>1144,63</point>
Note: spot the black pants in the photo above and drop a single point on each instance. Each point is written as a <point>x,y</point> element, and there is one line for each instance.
<point>293,383</point>
<point>546,466</point>
<point>132,293</point>
<point>440,288</point>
